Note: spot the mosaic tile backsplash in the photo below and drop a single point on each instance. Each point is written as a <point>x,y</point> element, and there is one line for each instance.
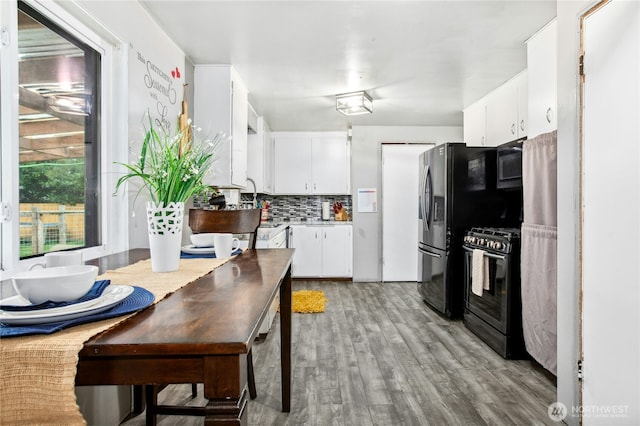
<point>291,207</point>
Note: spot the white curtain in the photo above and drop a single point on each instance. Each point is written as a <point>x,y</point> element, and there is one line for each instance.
<point>539,249</point>
<point>539,180</point>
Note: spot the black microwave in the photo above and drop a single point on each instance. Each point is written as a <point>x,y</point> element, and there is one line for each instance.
<point>481,169</point>
<point>509,165</point>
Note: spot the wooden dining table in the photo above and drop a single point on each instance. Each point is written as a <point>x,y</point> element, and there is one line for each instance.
<point>201,333</point>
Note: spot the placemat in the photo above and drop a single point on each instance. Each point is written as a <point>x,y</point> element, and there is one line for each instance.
<point>38,372</point>
<point>139,299</point>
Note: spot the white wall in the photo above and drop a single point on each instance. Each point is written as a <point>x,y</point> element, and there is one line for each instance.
<point>568,203</point>
<point>611,319</point>
<point>149,49</point>
<point>610,378</point>
<point>366,172</point>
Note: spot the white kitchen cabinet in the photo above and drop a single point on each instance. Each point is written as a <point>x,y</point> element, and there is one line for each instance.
<point>500,116</point>
<point>336,251</point>
<point>321,250</point>
<point>542,81</point>
<point>292,165</point>
<point>505,121</point>
<point>522,85</point>
<point>220,105</point>
<point>311,163</point>
<point>475,123</point>
<point>260,158</point>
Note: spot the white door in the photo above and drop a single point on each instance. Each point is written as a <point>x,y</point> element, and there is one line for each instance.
<point>336,251</point>
<point>611,212</point>
<point>400,211</point>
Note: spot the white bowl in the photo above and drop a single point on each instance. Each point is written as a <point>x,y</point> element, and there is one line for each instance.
<point>58,284</point>
<point>202,240</point>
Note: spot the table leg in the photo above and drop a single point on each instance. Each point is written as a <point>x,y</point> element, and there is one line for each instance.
<point>226,412</point>
<point>285,340</point>
<point>225,386</point>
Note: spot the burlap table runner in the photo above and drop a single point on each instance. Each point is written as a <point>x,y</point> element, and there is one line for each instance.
<point>38,372</point>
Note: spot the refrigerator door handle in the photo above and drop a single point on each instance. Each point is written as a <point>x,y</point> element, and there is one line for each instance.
<point>428,253</point>
<point>425,199</point>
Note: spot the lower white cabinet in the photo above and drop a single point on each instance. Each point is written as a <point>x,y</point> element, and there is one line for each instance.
<point>271,315</point>
<point>321,250</point>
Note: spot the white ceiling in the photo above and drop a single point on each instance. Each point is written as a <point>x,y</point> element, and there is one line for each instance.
<point>421,61</point>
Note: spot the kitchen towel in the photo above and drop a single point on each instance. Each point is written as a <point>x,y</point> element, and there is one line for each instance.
<point>479,272</point>
<point>538,274</point>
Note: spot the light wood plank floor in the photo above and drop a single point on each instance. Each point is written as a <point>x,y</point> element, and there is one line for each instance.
<point>379,356</point>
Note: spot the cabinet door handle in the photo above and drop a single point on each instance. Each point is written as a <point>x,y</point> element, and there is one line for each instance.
<point>513,128</point>
<point>549,115</point>
<point>314,186</point>
<point>522,125</point>
<point>306,186</point>
<point>482,141</point>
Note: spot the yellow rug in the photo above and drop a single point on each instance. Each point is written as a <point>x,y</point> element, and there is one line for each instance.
<point>308,301</point>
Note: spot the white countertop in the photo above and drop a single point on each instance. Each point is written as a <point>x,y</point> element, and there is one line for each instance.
<point>271,229</point>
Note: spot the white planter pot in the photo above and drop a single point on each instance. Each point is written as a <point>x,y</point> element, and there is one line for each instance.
<point>165,235</point>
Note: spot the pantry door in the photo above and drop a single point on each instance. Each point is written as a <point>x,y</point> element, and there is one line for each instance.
<point>400,210</point>
<point>610,199</point>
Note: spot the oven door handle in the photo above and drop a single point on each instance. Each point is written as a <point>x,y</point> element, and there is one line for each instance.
<point>428,253</point>
<point>491,255</point>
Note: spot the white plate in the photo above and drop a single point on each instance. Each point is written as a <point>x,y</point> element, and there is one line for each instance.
<point>191,249</point>
<point>111,296</point>
<point>21,301</point>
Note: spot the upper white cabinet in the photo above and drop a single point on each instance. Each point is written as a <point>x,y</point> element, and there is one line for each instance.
<point>311,163</point>
<point>221,105</point>
<point>507,111</point>
<point>542,64</point>
<point>500,116</point>
<point>260,158</point>
<point>475,123</point>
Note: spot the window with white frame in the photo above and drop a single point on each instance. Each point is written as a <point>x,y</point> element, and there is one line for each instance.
<point>59,137</point>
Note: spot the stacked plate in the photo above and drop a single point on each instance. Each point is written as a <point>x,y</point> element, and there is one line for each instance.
<point>192,249</point>
<point>112,295</point>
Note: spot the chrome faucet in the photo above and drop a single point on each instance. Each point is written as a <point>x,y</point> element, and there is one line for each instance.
<point>254,203</point>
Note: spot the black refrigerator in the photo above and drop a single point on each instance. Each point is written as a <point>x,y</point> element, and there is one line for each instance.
<point>457,190</point>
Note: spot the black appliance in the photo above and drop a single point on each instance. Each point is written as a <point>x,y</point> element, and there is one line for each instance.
<point>509,165</point>
<point>496,316</point>
<point>456,191</point>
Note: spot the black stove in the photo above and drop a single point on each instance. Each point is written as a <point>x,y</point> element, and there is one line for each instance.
<point>499,240</point>
<point>495,314</point>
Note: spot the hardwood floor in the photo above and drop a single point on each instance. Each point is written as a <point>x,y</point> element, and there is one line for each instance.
<point>379,356</point>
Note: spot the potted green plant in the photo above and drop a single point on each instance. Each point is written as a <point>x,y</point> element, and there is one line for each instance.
<point>170,170</point>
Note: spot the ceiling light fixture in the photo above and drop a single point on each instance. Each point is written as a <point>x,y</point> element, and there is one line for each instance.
<point>354,103</point>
